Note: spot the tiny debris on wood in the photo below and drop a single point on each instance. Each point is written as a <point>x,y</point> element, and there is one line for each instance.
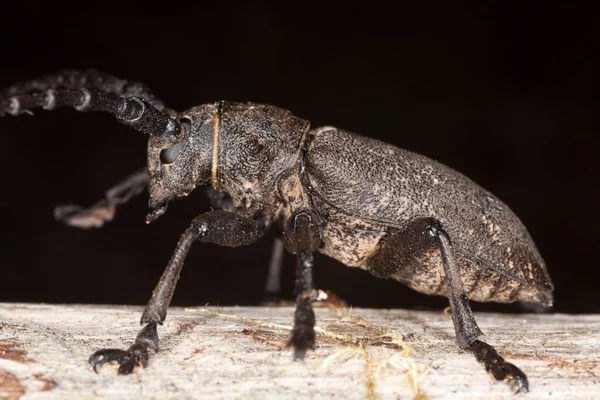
<point>240,352</point>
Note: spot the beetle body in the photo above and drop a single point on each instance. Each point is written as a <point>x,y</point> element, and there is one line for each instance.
<point>269,162</point>
<point>368,204</point>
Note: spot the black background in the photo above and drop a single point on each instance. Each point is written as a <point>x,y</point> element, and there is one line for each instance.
<point>506,94</point>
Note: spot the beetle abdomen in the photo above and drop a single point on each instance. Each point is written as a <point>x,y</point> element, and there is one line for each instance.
<point>379,184</point>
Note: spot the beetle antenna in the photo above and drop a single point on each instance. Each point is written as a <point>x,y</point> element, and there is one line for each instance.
<point>89,78</point>
<point>132,104</point>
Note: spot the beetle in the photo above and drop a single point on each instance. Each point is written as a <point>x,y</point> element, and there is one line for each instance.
<point>361,201</point>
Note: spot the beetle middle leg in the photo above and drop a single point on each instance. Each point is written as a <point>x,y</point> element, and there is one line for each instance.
<point>302,238</point>
<point>273,284</point>
<point>401,248</point>
<point>219,227</point>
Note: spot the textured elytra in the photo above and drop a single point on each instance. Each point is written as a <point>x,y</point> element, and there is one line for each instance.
<point>390,187</point>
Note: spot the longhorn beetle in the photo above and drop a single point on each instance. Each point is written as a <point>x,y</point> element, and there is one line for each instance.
<point>363,202</point>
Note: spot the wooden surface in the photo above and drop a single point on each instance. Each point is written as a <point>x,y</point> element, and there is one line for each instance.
<point>239,353</point>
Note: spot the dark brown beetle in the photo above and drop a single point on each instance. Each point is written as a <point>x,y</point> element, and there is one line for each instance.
<point>365,203</point>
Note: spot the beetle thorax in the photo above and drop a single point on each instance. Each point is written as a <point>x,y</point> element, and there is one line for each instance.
<point>253,146</point>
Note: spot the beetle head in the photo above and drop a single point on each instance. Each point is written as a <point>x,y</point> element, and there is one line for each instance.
<point>240,149</point>
<point>176,169</point>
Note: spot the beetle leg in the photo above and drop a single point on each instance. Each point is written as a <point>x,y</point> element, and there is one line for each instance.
<point>222,201</point>
<point>396,257</point>
<point>104,210</point>
<point>302,238</point>
<point>219,227</point>
<point>303,334</point>
<point>465,326</point>
<point>273,285</point>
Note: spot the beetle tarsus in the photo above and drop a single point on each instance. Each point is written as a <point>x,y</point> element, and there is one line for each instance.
<point>498,367</point>
<point>127,360</point>
<point>303,334</point>
<point>299,352</point>
<point>111,356</point>
<point>136,355</point>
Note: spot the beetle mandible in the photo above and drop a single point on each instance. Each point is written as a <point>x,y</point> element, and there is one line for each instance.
<point>368,204</point>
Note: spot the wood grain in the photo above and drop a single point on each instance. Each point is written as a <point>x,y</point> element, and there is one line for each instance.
<point>239,353</point>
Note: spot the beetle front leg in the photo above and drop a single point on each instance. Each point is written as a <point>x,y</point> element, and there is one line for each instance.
<point>302,238</point>
<point>465,326</point>
<point>222,201</point>
<point>219,227</point>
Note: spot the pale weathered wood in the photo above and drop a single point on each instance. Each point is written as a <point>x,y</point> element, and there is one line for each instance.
<point>226,354</point>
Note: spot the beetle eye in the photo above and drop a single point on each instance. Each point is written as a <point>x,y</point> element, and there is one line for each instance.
<point>167,156</point>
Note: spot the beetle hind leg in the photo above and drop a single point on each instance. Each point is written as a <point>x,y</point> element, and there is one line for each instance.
<point>402,248</point>
<point>465,326</point>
